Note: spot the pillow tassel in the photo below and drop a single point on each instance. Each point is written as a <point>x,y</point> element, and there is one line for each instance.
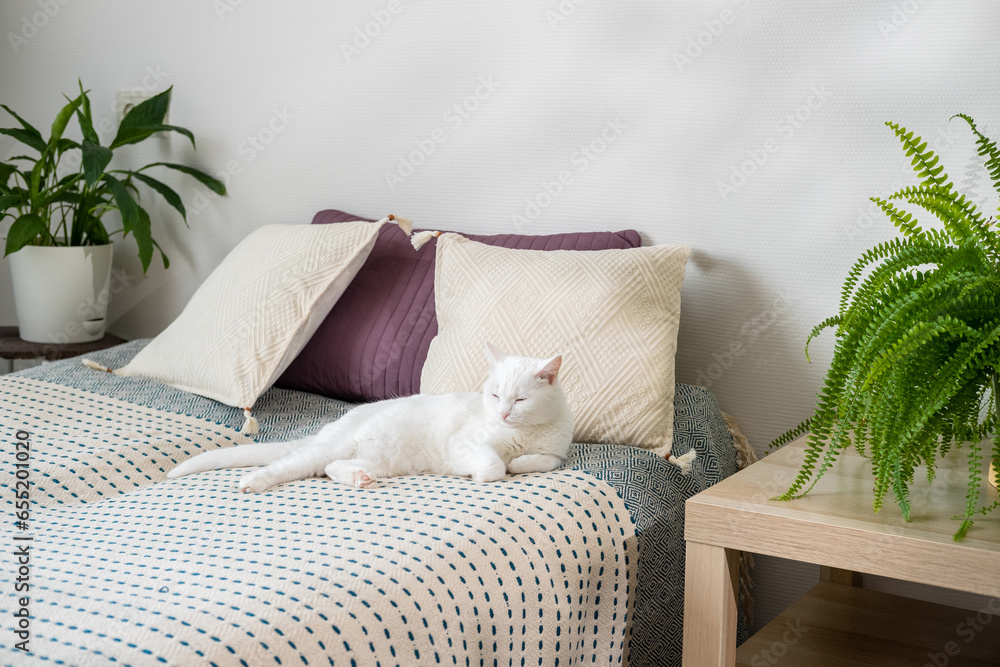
<point>404,223</point>
<point>683,461</point>
<point>96,366</point>
<point>420,238</point>
<point>250,426</point>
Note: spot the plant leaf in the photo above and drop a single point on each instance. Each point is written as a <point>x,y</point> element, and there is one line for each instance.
<point>123,202</point>
<point>5,172</point>
<point>58,193</point>
<point>62,119</point>
<point>25,137</point>
<point>65,144</point>
<point>924,162</point>
<point>168,193</point>
<point>95,161</point>
<point>81,217</point>
<point>150,130</point>
<point>94,230</point>
<point>987,149</point>
<point>84,117</point>
<point>213,184</point>
<point>143,120</point>
<point>28,135</point>
<point>903,220</point>
<point>174,128</point>
<point>143,232</point>
<point>35,183</point>
<point>8,202</point>
<point>27,126</point>
<point>24,230</point>
<point>163,255</point>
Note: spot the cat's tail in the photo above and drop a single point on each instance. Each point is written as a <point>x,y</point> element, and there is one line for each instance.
<point>238,457</point>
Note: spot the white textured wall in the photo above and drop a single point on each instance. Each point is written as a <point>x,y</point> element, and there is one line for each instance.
<point>647,110</point>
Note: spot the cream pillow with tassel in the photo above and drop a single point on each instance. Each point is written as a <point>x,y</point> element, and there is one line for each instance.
<point>255,312</point>
<point>612,314</point>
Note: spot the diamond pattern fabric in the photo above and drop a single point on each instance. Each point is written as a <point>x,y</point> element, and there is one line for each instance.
<point>612,314</point>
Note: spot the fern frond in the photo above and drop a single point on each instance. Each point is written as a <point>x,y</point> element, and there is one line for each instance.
<point>987,149</point>
<point>972,488</point>
<point>924,162</point>
<point>911,341</point>
<point>961,219</point>
<point>948,378</point>
<point>932,200</point>
<point>816,330</point>
<point>902,220</point>
<point>883,251</point>
<point>906,256</point>
<point>790,435</point>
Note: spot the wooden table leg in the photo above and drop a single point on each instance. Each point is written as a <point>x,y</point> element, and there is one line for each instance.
<point>710,606</point>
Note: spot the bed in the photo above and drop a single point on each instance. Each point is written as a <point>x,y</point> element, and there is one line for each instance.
<point>582,565</point>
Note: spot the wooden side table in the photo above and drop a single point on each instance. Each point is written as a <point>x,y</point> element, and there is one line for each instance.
<point>837,622</point>
<point>12,347</point>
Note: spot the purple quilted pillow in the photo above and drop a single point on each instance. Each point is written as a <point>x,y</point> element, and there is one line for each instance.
<point>373,344</point>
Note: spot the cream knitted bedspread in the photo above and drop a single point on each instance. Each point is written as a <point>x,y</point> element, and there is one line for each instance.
<point>125,566</point>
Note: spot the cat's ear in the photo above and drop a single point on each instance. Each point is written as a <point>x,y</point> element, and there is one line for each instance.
<point>494,354</point>
<point>550,371</point>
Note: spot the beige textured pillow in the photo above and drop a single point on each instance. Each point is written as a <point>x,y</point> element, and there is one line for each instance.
<point>255,312</point>
<point>613,314</point>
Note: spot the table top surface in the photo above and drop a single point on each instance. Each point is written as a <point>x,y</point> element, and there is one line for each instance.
<point>834,524</point>
<point>12,347</point>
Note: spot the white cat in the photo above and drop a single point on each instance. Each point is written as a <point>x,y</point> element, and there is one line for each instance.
<point>521,422</point>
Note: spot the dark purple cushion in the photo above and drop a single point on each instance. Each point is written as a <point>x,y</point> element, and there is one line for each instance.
<point>374,342</point>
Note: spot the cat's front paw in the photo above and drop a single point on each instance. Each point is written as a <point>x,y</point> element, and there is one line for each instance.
<point>363,480</point>
<point>534,463</point>
<point>352,474</point>
<point>255,482</point>
<point>491,473</point>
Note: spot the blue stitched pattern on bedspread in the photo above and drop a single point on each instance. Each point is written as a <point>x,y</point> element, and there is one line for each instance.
<point>652,490</point>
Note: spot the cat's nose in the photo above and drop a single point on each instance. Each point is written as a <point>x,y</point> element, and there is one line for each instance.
<point>504,415</point>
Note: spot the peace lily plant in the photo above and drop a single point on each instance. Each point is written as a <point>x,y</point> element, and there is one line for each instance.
<point>53,210</point>
<point>917,355</point>
<point>57,207</point>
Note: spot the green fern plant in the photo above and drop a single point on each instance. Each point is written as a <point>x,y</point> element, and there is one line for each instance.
<point>917,353</point>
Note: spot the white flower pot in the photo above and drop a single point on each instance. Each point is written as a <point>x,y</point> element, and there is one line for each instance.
<point>61,294</point>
